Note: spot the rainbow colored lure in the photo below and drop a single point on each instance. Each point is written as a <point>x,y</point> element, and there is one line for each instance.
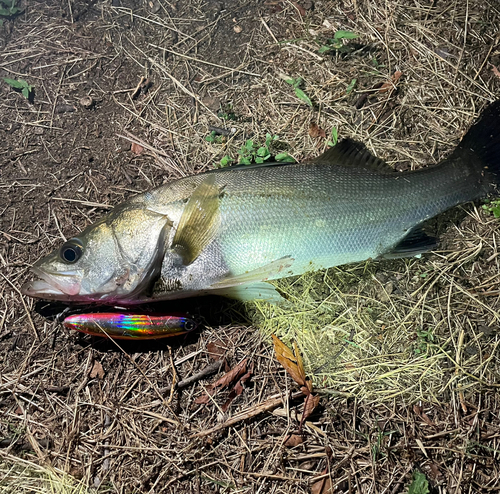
<point>130,326</point>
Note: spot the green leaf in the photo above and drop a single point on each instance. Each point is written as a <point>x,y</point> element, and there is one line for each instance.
<point>259,160</point>
<point>15,84</point>
<point>419,485</point>
<point>303,96</point>
<point>284,157</point>
<point>245,161</point>
<point>210,137</point>
<point>324,49</point>
<point>249,145</point>
<point>345,35</point>
<point>335,137</point>
<point>26,92</point>
<point>262,151</point>
<point>351,86</point>
<point>225,161</point>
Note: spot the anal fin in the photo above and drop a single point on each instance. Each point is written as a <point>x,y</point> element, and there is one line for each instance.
<point>414,243</point>
<point>248,292</point>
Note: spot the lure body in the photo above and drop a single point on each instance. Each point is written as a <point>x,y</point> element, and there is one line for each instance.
<point>130,326</point>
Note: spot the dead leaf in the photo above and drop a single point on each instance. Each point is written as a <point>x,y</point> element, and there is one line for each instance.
<point>495,71</point>
<point>301,9</point>
<point>310,403</point>
<point>136,148</point>
<point>203,399</point>
<point>322,486</point>
<point>231,376</point>
<point>418,410</point>
<point>292,362</point>
<point>293,440</point>
<point>215,351</point>
<point>97,370</point>
<point>238,388</point>
<point>386,86</point>
<point>316,131</point>
<point>225,381</point>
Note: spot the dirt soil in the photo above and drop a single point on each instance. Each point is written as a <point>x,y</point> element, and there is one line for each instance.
<point>124,95</point>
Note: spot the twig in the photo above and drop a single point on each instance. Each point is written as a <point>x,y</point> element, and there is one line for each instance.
<point>250,412</point>
<point>207,371</point>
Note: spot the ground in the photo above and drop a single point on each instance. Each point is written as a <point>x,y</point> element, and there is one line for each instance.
<point>124,95</point>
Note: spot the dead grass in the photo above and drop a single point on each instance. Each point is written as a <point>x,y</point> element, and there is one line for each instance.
<point>406,352</point>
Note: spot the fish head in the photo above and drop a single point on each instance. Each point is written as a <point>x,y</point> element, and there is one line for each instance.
<point>114,260</point>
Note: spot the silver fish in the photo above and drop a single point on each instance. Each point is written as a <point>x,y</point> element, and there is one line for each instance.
<point>228,231</point>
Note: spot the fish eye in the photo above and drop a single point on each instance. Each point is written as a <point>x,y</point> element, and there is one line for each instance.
<point>71,251</point>
<point>189,325</point>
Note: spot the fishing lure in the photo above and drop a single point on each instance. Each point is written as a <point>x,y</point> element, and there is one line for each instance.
<point>130,326</point>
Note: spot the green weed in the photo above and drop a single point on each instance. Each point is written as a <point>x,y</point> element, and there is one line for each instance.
<point>227,113</point>
<point>334,137</point>
<point>20,85</point>
<point>214,138</point>
<point>336,43</point>
<point>226,161</point>
<point>419,484</point>
<point>8,9</point>
<point>296,83</point>
<point>493,207</point>
<point>251,152</point>
<point>424,339</point>
<point>351,86</point>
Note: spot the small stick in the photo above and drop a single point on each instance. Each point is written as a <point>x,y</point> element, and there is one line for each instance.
<point>250,412</point>
<point>207,371</point>
<point>137,90</point>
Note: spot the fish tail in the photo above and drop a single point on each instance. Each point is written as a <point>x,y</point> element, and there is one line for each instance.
<point>479,150</point>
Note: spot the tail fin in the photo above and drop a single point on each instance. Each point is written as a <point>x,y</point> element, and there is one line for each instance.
<point>480,147</point>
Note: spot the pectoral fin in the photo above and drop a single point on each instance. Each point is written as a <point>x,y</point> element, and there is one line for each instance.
<point>199,222</point>
<point>268,271</point>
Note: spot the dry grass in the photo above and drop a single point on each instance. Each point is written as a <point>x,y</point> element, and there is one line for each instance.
<point>406,352</point>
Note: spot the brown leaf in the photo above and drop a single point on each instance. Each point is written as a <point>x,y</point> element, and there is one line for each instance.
<point>238,388</point>
<point>316,131</point>
<point>97,370</point>
<point>136,148</point>
<point>495,71</point>
<point>293,440</point>
<point>231,376</point>
<point>223,382</point>
<point>292,362</point>
<point>215,351</point>
<point>310,403</point>
<point>418,410</point>
<point>386,86</point>
<point>322,486</point>
<point>301,9</point>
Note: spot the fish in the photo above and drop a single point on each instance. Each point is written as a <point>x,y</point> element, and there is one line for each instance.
<point>230,231</point>
<point>131,326</point>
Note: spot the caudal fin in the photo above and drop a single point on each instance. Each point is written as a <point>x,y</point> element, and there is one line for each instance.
<point>480,147</point>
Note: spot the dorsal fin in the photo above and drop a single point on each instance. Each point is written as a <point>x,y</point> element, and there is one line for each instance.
<point>351,153</point>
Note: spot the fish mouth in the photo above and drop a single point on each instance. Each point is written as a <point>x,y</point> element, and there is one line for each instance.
<point>53,286</point>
